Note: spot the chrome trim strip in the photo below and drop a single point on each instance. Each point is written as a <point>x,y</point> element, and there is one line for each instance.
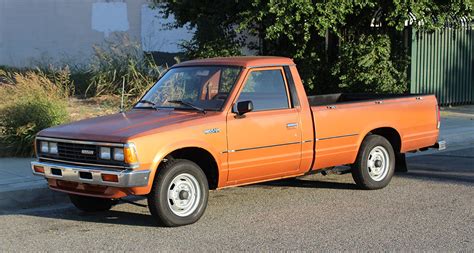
<point>110,144</point>
<point>306,141</point>
<point>260,147</point>
<point>132,166</point>
<point>126,178</point>
<point>334,137</point>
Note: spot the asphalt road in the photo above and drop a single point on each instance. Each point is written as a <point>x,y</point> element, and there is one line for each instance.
<point>428,208</point>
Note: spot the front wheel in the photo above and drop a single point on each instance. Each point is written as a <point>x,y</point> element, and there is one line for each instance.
<point>375,163</point>
<point>179,194</point>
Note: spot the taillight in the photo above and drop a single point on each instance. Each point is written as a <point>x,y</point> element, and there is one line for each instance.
<point>438,116</point>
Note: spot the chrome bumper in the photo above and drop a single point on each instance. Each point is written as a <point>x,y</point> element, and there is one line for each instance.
<point>439,145</point>
<point>89,175</point>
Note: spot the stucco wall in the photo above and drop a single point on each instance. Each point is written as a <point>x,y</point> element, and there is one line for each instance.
<point>45,31</point>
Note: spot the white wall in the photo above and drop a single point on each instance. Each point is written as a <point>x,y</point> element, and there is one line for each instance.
<point>46,31</point>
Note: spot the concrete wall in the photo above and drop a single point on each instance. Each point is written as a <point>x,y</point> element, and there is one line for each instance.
<point>55,31</point>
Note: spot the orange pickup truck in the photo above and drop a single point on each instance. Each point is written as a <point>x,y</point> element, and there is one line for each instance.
<point>222,122</point>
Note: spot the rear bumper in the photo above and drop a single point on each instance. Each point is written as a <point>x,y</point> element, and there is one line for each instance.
<point>439,145</point>
<point>94,176</point>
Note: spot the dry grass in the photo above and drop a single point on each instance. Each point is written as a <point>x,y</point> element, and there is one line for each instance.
<point>92,107</point>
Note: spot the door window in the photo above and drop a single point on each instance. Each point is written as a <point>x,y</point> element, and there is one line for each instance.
<point>266,89</point>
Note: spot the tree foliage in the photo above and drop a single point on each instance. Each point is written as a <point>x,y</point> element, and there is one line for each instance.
<point>363,34</point>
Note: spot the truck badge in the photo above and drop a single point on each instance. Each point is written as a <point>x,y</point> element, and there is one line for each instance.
<point>87,152</point>
<point>212,131</point>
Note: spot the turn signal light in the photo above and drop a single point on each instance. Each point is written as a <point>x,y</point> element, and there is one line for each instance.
<point>130,154</point>
<point>110,178</point>
<point>38,169</point>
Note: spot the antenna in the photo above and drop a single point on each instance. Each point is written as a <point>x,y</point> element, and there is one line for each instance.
<point>123,91</point>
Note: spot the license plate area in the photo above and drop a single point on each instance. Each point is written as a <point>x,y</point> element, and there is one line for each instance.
<point>85,175</point>
<point>56,172</point>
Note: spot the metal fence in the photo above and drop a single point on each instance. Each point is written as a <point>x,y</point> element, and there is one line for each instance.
<point>442,63</point>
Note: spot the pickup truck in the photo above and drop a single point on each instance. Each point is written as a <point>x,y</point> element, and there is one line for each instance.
<point>221,122</point>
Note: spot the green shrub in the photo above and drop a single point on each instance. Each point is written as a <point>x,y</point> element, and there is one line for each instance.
<point>34,102</point>
<point>365,65</point>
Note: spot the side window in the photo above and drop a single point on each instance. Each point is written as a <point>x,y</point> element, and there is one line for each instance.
<point>266,89</point>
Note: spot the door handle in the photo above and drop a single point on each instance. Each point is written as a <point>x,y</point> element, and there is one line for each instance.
<point>291,125</point>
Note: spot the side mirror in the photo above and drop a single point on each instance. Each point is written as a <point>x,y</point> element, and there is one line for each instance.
<point>243,107</point>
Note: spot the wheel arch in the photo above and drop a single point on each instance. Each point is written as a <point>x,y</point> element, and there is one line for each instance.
<point>203,158</point>
<point>198,153</point>
<point>389,133</point>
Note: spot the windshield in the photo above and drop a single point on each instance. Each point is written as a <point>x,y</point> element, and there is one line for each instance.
<point>205,87</point>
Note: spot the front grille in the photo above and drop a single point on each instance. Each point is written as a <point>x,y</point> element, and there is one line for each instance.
<point>79,153</point>
<point>74,152</point>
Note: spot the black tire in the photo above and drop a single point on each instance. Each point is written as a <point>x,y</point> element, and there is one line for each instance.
<point>165,210</point>
<point>370,177</point>
<point>91,204</point>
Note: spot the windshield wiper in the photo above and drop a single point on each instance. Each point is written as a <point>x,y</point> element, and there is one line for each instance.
<point>144,101</point>
<point>181,102</point>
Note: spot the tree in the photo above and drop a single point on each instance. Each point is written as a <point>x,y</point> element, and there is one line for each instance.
<point>300,29</point>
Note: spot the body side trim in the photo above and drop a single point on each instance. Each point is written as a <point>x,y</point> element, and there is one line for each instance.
<point>260,147</point>
<point>334,137</point>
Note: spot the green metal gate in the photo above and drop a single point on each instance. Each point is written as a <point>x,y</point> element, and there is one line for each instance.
<point>442,63</point>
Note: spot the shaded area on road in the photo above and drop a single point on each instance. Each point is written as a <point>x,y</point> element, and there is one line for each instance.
<point>455,166</point>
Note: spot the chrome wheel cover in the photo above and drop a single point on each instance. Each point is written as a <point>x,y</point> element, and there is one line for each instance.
<point>183,195</point>
<point>378,163</point>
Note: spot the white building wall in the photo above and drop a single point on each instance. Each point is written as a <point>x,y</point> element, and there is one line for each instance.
<point>54,31</point>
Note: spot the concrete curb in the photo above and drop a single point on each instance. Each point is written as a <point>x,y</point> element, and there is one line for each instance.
<point>29,195</point>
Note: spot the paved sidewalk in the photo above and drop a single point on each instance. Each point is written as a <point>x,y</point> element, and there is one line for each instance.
<point>20,189</point>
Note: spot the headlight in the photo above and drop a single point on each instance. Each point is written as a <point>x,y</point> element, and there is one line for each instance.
<point>44,147</point>
<point>53,148</point>
<point>118,154</point>
<point>105,153</point>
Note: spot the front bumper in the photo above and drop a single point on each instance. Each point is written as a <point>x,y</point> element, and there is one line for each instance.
<point>94,176</point>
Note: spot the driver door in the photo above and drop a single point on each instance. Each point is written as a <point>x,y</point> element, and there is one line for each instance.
<point>266,142</point>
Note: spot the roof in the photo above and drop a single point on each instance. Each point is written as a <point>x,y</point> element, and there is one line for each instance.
<point>243,61</point>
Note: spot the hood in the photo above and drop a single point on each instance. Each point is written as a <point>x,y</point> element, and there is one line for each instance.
<point>121,126</point>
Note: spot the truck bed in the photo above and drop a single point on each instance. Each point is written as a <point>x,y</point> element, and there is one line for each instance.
<point>338,98</point>
<point>343,120</point>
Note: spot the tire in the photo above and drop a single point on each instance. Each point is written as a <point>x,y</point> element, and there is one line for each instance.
<point>179,193</point>
<point>91,204</point>
<point>375,163</point>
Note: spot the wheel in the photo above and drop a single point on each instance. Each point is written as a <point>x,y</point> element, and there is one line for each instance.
<point>375,163</point>
<point>91,204</point>
<point>179,193</point>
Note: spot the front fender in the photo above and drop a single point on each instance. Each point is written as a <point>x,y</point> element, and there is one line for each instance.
<point>168,149</point>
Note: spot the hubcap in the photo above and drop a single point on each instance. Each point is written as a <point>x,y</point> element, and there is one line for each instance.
<point>183,194</point>
<point>378,163</point>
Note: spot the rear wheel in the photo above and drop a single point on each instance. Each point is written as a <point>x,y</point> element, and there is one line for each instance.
<point>91,204</point>
<point>375,163</point>
<point>179,194</point>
